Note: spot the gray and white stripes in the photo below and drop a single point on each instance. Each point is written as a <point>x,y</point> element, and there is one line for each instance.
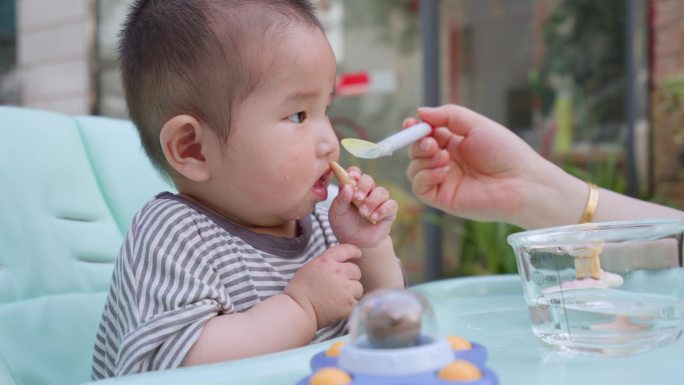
<point>179,266</point>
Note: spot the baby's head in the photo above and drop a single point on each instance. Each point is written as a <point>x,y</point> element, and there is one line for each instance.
<point>197,57</point>
<point>217,88</point>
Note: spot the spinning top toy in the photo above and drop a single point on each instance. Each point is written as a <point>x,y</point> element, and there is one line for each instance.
<point>393,341</point>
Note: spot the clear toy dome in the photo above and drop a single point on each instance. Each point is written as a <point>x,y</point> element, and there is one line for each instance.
<point>391,319</point>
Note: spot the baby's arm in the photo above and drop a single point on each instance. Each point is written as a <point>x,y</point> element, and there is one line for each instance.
<point>380,267</point>
<point>321,293</point>
<point>367,226</point>
<point>256,331</point>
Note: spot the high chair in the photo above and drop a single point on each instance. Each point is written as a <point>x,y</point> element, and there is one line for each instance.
<point>69,188</point>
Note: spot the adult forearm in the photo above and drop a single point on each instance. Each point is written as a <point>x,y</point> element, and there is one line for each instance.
<point>276,324</point>
<point>616,207</point>
<point>556,198</point>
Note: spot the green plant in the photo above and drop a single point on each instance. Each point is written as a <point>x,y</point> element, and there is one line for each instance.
<point>674,88</point>
<point>606,173</point>
<point>584,42</point>
<point>485,249</point>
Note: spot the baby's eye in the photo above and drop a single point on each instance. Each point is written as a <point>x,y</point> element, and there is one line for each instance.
<point>298,117</point>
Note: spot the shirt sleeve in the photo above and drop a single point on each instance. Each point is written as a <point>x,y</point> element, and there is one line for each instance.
<point>172,290</point>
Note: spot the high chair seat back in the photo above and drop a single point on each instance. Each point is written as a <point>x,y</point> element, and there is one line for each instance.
<point>69,188</point>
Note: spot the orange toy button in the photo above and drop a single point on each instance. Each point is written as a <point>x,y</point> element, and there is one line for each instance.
<point>330,376</point>
<point>458,343</point>
<point>460,371</point>
<point>335,349</point>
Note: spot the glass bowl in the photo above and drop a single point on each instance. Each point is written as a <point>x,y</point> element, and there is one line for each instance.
<point>612,288</point>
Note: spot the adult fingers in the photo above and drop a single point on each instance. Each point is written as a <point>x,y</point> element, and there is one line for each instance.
<point>429,145</point>
<point>426,180</point>
<point>458,119</point>
<point>408,122</point>
<point>439,159</point>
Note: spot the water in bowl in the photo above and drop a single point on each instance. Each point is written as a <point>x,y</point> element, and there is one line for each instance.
<point>606,321</point>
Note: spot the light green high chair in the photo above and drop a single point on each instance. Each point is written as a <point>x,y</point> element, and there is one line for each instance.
<point>69,188</point>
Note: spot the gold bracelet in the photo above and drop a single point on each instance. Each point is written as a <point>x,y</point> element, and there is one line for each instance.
<point>592,203</point>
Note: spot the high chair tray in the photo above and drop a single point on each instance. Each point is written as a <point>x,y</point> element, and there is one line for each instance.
<point>490,310</point>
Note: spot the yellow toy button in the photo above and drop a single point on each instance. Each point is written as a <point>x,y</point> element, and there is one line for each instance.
<point>330,376</point>
<point>335,349</point>
<point>458,343</point>
<point>460,371</point>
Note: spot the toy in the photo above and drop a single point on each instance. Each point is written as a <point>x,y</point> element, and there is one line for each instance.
<point>393,343</point>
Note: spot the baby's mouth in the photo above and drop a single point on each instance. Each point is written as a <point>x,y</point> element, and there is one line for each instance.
<point>324,180</point>
<point>320,188</point>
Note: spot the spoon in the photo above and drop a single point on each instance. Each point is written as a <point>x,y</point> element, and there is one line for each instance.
<point>369,150</point>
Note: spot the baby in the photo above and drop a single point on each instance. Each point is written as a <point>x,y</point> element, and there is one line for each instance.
<point>230,100</point>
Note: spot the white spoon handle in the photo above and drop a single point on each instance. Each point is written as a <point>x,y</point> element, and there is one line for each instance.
<point>403,138</point>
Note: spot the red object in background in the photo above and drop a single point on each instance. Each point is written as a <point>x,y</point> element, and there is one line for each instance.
<point>366,82</point>
<point>355,83</point>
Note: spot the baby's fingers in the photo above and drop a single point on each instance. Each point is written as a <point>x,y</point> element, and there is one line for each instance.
<point>364,185</point>
<point>374,199</point>
<point>386,211</point>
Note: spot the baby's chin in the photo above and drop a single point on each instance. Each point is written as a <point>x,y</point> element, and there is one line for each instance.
<point>303,210</point>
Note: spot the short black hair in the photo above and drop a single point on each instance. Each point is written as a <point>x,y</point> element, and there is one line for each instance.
<point>197,57</point>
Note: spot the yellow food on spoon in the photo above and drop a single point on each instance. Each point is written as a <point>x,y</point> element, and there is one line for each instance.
<point>360,148</point>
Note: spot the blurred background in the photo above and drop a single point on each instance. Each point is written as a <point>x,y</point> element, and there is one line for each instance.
<point>595,86</point>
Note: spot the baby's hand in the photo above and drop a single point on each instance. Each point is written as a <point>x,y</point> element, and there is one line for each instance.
<point>367,224</point>
<point>328,287</point>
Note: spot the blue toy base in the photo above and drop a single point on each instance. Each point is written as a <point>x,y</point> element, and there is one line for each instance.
<point>488,378</point>
<point>477,356</point>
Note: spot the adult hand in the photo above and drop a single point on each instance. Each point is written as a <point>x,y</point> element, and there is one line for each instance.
<point>472,166</point>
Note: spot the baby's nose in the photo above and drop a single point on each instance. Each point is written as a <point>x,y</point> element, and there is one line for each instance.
<point>326,148</point>
<point>329,144</point>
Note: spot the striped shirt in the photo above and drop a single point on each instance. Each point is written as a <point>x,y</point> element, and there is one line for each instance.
<point>179,266</point>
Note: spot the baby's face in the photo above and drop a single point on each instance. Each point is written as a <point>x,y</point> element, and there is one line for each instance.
<point>275,165</point>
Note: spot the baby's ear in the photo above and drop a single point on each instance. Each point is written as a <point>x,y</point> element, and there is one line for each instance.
<point>181,141</point>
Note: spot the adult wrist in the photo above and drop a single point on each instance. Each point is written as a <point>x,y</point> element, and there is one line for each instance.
<point>553,198</point>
